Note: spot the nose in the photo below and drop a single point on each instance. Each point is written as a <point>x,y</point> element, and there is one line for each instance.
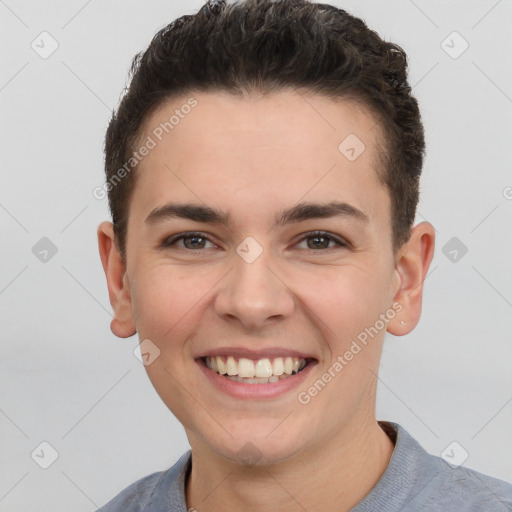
<point>254,293</point>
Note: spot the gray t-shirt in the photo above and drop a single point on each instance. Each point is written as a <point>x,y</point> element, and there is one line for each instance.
<point>413,481</point>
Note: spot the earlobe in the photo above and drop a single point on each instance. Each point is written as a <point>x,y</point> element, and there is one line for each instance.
<point>410,272</point>
<point>122,324</point>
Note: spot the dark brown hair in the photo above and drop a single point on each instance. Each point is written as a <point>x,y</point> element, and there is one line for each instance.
<point>265,46</point>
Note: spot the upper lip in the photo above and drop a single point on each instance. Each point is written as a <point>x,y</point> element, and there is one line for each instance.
<point>270,352</point>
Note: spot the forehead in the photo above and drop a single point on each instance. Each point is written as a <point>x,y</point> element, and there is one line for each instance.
<point>259,153</point>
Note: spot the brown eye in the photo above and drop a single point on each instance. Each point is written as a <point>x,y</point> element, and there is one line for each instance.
<point>320,240</point>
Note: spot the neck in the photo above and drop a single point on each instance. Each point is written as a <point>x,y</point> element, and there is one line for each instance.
<point>333,477</point>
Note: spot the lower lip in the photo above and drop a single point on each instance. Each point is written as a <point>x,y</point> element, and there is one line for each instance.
<point>242,390</point>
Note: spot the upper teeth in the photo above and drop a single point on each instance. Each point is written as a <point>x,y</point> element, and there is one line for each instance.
<point>261,368</point>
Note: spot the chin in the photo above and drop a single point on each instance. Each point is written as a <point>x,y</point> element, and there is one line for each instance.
<point>257,448</point>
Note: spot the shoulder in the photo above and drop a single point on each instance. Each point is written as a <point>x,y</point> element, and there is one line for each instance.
<point>416,480</point>
<point>136,496</point>
<point>442,486</point>
<point>152,491</point>
<point>467,490</point>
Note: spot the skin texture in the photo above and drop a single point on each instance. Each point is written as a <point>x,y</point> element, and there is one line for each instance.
<point>253,156</point>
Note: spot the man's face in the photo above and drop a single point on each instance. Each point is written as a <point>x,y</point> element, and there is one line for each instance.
<point>255,288</point>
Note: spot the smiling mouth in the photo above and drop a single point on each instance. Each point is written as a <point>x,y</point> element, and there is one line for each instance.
<point>260,371</point>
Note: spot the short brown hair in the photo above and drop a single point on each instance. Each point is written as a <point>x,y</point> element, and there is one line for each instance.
<point>265,46</point>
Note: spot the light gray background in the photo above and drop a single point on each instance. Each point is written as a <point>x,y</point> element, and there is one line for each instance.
<point>67,380</point>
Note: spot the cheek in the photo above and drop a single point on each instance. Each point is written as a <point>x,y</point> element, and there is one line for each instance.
<point>168,298</point>
<point>346,298</point>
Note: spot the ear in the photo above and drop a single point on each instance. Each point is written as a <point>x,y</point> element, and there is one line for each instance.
<point>122,324</point>
<point>412,264</point>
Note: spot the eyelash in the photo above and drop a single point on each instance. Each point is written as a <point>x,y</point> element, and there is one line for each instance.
<point>171,241</point>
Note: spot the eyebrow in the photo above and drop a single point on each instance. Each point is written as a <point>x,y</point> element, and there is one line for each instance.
<point>298,213</point>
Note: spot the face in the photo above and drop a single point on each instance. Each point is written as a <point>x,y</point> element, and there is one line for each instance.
<point>250,279</point>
